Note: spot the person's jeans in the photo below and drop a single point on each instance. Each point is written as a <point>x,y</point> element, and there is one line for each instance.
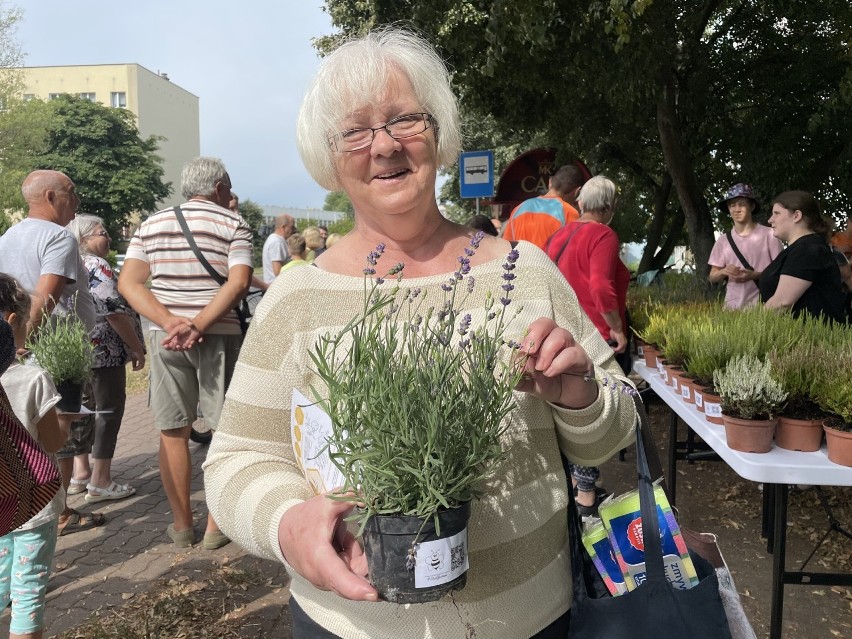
<point>306,628</point>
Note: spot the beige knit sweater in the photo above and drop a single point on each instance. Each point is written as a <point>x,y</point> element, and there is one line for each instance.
<point>519,580</point>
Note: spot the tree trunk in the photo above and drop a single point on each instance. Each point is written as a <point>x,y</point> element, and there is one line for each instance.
<point>658,222</point>
<point>699,224</point>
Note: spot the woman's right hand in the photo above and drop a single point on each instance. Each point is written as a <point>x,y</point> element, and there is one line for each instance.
<point>315,541</point>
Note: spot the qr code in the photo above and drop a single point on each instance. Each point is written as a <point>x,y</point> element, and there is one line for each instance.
<point>457,555</point>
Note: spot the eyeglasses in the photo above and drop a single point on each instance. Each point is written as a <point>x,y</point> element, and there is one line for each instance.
<point>403,126</point>
<point>98,234</point>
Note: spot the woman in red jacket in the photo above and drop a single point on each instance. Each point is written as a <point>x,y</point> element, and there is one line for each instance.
<point>588,254</point>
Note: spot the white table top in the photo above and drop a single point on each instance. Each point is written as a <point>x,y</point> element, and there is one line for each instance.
<point>778,466</point>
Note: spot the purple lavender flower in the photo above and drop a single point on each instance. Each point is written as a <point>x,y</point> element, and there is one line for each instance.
<point>505,301</point>
<point>508,276</point>
<point>507,287</point>
<point>476,239</point>
<point>471,282</point>
<point>379,280</point>
<point>464,324</point>
<point>446,287</point>
<point>369,271</point>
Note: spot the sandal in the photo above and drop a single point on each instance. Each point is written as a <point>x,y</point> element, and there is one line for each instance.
<point>77,486</point>
<point>214,540</point>
<point>111,492</point>
<point>77,521</point>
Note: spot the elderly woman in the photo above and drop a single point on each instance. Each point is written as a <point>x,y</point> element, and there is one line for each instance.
<point>588,253</point>
<point>117,338</point>
<point>378,122</point>
<point>804,278</point>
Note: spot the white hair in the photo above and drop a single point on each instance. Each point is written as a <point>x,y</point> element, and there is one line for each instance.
<point>82,226</point>
<point>598,194</point>
<point>199,176</point>
<point>355,75</point>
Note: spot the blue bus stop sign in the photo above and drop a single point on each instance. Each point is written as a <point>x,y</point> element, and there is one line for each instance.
<point>476,174</point>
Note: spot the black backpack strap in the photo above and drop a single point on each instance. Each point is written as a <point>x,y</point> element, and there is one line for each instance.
<point>564,246</point>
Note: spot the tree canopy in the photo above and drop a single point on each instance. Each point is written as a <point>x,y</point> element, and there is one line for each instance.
<point>115,170</point>
<point>674,100</point>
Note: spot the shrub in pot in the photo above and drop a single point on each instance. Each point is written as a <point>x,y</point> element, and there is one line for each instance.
<point>417,396</point>
<point>800,423</point>
<point>62,347</point>
<point>751,398</point>
<point>833,393</point>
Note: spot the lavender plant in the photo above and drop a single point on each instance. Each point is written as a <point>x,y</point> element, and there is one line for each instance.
<point>417,393</point>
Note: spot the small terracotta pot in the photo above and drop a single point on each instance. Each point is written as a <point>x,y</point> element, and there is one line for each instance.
<point>650,355</point>
<point>799,434</point>
<point>698,397</point>
<point>712,406</point>
<point>673,377</point>
<point>839,446</point>
<point>687,389</point>
<point>749,435</point>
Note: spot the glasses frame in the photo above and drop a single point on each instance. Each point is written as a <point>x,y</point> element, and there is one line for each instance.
<point>334,140</point>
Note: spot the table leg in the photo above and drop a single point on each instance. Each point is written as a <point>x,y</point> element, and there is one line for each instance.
<point>767,517</point>
<point>778,559</point>
<point>672,456</point>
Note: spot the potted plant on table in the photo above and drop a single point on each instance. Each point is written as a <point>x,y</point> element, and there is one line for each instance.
<point>797,369</point>
<point>833,393</point>
<point>751,398</point>
<point>62,347</point>
<point>417,393</point>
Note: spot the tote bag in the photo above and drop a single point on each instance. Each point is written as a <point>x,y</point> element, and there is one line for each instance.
<point>654,609</point>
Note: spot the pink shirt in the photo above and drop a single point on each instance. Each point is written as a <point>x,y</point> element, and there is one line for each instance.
<point>759,248</point>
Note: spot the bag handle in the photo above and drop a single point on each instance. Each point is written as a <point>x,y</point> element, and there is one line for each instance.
<point>648,466</point>
<point>242,315</point>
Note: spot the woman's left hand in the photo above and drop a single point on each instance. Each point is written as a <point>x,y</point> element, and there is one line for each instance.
<point>557,366</point>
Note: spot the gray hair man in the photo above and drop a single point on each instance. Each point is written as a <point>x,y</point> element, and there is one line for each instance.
<point>195,333</point>
<point>275,253</point>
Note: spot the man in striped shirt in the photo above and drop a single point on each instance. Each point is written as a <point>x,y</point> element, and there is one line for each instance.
<point>195,333</point>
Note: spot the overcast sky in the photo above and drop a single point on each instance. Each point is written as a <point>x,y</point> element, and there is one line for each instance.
<point>248,62</point>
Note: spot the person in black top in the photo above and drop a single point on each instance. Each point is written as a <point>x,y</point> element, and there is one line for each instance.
<point>804,277</point>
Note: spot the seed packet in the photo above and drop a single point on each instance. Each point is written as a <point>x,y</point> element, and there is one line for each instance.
<point>622,519</point>
<point>596,542</point>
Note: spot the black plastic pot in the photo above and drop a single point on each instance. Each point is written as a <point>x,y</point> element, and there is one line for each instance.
<point>405,563</point>
<point>72,397</point>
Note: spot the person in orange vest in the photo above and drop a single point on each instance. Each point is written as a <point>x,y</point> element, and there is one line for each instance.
<point>536,219</point>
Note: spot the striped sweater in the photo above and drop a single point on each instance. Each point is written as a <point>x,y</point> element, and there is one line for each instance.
<point>519,560</point>
<point>178,280</point>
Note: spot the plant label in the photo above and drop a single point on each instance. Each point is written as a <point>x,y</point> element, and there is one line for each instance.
<point>441,561</point>
<point>310,428</point>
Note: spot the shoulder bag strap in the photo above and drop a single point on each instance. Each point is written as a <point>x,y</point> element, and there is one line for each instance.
<point>242,309</point>
<point>564,246</point>
<point>737,252</point>
<point>203,260</point>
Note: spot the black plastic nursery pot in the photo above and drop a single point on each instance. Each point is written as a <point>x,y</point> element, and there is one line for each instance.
<point>409,562</point>
<point>71,397</point>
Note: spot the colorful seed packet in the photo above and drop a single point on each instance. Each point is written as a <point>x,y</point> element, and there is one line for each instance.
<point>622,519</point>
<point>596,542</point>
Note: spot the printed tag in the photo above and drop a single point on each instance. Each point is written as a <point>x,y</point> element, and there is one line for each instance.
<point>441,561</point>
<point>640,350</point>
<point>660,369</point>
<point>699,399</point>
<point>685,392</point>
<point>310,428</point>
<point>675,381</point>
<point>712,409</point>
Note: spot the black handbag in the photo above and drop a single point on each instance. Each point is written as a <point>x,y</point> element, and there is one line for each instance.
<point>654,609</point>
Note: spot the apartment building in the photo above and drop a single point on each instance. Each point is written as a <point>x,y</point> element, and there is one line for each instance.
<point>161,107</point>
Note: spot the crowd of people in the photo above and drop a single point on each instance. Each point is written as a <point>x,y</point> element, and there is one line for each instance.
<point>378,122</point>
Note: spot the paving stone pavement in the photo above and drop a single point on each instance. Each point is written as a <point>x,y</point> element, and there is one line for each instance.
<point>100,568</point>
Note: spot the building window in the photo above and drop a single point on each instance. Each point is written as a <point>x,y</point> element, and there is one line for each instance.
<point>28,97</point>
<point>88,96</point>
<point>118,99</point>
<point>53,96</point>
